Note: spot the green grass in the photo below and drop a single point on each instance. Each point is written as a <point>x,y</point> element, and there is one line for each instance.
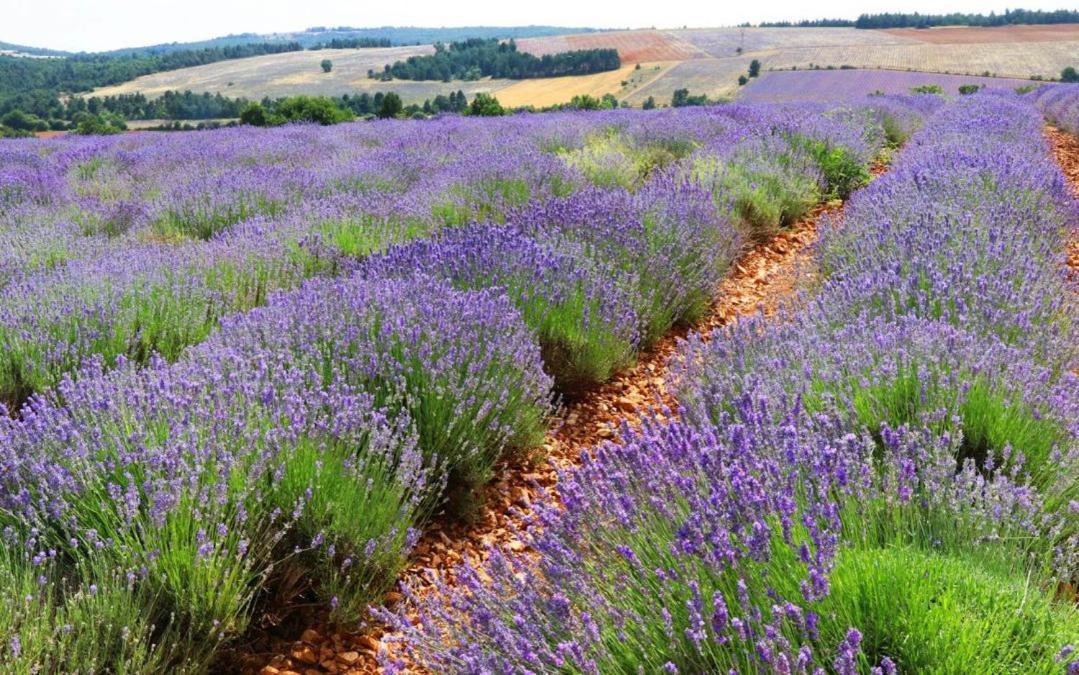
<point>609,160</point>
<point>937,613</point>
<point>366,235</point>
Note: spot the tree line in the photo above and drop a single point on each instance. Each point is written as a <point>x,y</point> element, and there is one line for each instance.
<point>478,57</point>
<point>1009,17</point>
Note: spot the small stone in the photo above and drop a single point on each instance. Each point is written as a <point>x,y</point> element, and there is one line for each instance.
<point>269,670</point>
<point>369,643</point>
<point>311,637</point>
<point>348,658</point>
<point>304,655</point>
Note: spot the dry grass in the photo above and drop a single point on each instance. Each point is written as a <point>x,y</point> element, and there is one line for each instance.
<point>634,46</point>
<point>554,90</point>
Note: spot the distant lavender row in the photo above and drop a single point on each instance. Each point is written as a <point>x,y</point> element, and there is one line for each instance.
<point>887,480</point>
<point>1060,103</point>
<point>839,86</point>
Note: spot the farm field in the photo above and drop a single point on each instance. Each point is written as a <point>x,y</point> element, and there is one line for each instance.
<point>852,85</point>
<point>324,391</point>
<point>296,73</point>
<point>704,60</point>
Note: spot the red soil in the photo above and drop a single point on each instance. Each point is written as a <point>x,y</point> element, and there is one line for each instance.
<point>963,35</point>
<point>1066,150</point>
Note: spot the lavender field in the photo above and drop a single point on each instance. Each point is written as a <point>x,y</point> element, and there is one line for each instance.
<point>243,370</point>
<point>838,86</point>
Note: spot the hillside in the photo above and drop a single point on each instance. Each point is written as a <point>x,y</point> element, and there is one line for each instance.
<point>706,61</point>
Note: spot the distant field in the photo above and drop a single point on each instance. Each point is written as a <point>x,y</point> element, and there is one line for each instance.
<point>841,85</point>
<point>635,46</point>
<point>973,35</point>
<point>295,73</point>
<point>704,60</point>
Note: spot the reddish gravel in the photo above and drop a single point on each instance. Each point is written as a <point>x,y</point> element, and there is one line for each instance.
<point>1066,149</point>
<point>764,279</point>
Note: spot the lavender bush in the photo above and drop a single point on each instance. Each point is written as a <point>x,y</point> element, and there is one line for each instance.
<point>884,481</point>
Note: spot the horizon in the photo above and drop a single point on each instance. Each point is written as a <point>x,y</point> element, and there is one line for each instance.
<point>109,25</point>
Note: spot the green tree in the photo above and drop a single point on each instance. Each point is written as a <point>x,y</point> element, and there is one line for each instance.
<point>319,109</point>
<point>485,105</point>
<point>391,106</point>
<point>742,80</point>
<point>1069,74</point>
<point>327,65</point>
<point>968,89</point>
<point>754,68</point>
<point>253,114</point>
<point>649,103</point>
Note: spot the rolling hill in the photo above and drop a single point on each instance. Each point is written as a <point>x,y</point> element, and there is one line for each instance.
<point>706,61</point>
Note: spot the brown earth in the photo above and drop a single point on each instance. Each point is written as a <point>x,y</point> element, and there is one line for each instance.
<point>965,35</point>
<point>1066,150</point>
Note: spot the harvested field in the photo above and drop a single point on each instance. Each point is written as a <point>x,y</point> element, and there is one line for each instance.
<point>294,73</point>
<point>714,77</point>
<point>723,42</point>
<point>635,46</point>
<point>553,90</point>
<point>957,35</point>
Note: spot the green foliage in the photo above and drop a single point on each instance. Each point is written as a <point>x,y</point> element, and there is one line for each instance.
<point>485,105</point>
<point>933,612</point>
<point>477,57</point>
<point>742,80</point>
<point>968,89</point>
<point>1069,74</point>
<point>391,106</point>
<point>327,65</point>
<point>101,124</point>
<point>754,68</point>
<point>21,121</point>
<point>682,98</point>
<point>1006,18</point>
<point>843,172</point>
<point>928,89</point>
<point>312,109</point>
<point>649,103</point>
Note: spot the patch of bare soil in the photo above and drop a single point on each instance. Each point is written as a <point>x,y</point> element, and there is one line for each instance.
<point>766,278</point>
<point>965,35</point>
<point>1066,150</point>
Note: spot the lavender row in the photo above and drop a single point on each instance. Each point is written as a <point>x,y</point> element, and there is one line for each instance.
<point>1060,103</point>
<point>139,245</point>
<point>883,481</point>
<point>182,461</point>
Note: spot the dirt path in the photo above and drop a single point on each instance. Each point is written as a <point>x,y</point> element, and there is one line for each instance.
<point>1066,150</point>
<point>763,279</point>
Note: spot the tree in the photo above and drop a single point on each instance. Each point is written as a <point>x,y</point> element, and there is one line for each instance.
<point>742,80</point>
<point>253,114</point>
<point>1069,74</point>
<point>327,65</point>
<point>968,89</point>
<point>649,103</point>
<point>391,106</point>
<point>485,105</point>
<point>754,68</point>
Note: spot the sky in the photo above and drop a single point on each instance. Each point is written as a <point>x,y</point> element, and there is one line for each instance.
<point>95,25</point>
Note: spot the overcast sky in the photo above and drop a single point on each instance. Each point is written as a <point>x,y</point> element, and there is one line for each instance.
<point>93,25</point>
